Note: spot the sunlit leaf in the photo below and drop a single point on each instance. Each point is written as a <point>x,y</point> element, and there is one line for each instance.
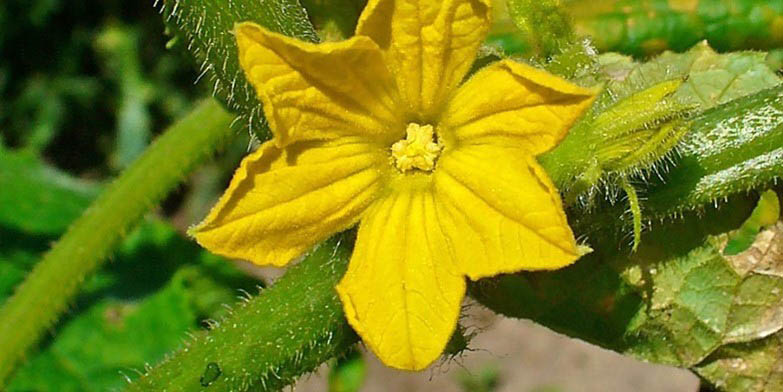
<point>37,198</point>
<point>159,287</point>
<point>677,301</point>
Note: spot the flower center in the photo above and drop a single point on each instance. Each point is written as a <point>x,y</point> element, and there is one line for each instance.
<point>418,150</point>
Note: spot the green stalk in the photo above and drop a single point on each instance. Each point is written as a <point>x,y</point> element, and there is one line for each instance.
<point>726,150</point>
<point>731,149</point>
<point>39,301</point>
<point>205,28</point>
<point>270,340</point>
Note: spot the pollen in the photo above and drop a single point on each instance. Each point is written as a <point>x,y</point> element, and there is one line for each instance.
<point>418,150</point>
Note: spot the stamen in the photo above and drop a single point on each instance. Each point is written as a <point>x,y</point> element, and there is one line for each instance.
<point>418,150</point>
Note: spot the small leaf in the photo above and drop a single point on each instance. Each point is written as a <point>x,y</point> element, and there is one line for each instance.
<point>746,367</point>
<point>348,373</point>
<point>753,366</point>
<point>710,78</point>
<point>39,199</point>
<point>677,301</point>
<point>111,338</point>
<point>644,105</point>
<point>765,254</point>
<point>699,303</point>
<point>766,213</point>
<point>486,379</point>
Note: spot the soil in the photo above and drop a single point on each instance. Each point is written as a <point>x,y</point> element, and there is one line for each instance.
<point>526,357</point>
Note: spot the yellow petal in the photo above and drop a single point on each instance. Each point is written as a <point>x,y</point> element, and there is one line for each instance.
<point>514,103</point>
<point>402,291</point>
<point>281,202</point>
<point>429,45</point>
<point>502,212</point>
<point>319,91</point>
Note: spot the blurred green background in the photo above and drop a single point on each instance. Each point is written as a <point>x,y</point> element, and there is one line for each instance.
<point>85,86</point>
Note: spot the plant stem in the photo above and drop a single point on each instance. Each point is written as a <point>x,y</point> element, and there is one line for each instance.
<point>270,340</point>
<point>38,302</point>
<point>731,149</point>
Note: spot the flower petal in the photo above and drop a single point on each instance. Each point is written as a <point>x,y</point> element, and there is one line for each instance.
<point>319,91</point>
<point>514,103</point>
<point>281,202</point>
<point>429,45</point>
<point>402,291</point>
<point>502,212</point>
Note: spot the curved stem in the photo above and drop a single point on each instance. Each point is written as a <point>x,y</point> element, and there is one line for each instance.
<point>270,340</point>
<point>38,302</point>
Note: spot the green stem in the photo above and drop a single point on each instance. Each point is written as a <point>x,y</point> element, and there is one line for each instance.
<point>270,340</point>
<point>44,295</point>
<point>205,27</point>
<point>727,150</point>
<point>731,149</point>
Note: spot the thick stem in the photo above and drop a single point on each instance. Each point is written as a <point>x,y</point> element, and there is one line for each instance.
<point>270,340</point>
<point>39,301</point>
<point>731,149</point>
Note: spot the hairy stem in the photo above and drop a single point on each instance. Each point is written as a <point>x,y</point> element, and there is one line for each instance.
<point>205,28</point>
<point>270,340</point>
<point>40,300</point>
<point>731,149</point>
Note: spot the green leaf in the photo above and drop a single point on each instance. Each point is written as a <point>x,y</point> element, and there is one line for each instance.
<point>348,373</point>
<point>111,338</point>
<point>677,301</point>
<point>486,379</point>
<point>700,302</point>
<point>205,28</point>
<point>133,312</point>
<point>751,367</point>
<point>50,286</point>
<point>755,365</point>
<point>269,341</point>
<point>640,125</point>
<point>766,213</point>
<point>712,78</point>
<point>128,314</point>
<point>18,253</point>
<point>37,198</point>
<point>37,203</point>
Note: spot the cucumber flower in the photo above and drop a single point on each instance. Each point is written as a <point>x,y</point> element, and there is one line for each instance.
<point>439,172</point>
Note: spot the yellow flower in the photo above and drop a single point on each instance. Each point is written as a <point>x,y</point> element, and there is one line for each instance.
<point>442,177</point>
